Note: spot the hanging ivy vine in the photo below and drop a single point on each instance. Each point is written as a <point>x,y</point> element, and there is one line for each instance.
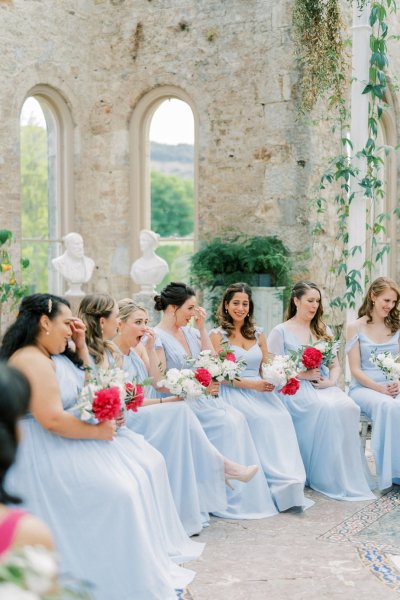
<point>320,50</point>
<point>326,48</point>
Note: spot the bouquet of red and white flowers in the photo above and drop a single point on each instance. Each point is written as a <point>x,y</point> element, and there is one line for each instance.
<point>316,354</point>
<point>185,382</point>
<point>108,394</point>
<point>281,371</point>
<point>222,366</point>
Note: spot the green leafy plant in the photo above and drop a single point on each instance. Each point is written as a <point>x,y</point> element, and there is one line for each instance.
<point>223,261</point>
<point>10,290</point>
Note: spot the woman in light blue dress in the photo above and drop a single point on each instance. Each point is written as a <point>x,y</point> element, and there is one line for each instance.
<point>83,479</point>
<point>325,418</point>
<point>270,423</point>
<point>224,426</point>
<point>377,330</point>
<point>195,467</point>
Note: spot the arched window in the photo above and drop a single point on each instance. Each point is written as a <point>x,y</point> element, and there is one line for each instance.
<point>171,140</point>
<point>46,178</point>
<point>164,175</point>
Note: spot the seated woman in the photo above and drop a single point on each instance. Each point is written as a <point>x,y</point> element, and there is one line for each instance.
<point>76,476</point>
<point>195,467</point>
<point>224,426</point>
<point>378,330</point>
<point>326,420</point>
<point>17,528</point>
<point>269,420</point>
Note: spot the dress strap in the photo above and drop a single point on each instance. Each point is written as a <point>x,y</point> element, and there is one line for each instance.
<point>7,528</point>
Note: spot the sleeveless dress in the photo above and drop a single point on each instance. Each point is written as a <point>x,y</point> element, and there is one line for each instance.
<point>272,430</point>
<point>99,501</point>
<point>227,430</point>
<point>382,410</point>
<point>8,526</point>
<point>327,426</point>
<point>195,467</point>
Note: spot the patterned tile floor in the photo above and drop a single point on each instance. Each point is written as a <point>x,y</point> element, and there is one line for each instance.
<point>375,532</point>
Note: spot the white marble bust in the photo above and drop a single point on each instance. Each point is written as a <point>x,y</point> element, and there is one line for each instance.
<point>73,265</point>
<point>149,270</point>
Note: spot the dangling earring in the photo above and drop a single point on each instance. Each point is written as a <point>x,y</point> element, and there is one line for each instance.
<point>226,311</point>
<point>47,332</point>
<point>248,314</point>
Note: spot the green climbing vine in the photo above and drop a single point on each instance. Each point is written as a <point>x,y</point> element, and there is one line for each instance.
<point>341,169</point>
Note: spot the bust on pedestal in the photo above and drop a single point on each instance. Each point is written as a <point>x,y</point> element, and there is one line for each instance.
<point>148,270</point>
<point>73,265</point>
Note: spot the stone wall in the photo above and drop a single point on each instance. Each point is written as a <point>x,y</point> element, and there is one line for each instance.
<point>257,163</point>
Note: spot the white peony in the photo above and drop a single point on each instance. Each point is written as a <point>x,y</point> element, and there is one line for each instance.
<point>9,591</point>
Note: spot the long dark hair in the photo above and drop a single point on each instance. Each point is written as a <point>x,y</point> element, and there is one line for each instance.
<point>24,331</point>
<point>174,293</point>
<point>377,288</point>
<point>225,320</point>
<point>14,400</point>
<point>317,325</point>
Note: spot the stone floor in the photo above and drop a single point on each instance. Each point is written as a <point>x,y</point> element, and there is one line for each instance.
<point>346,550</point>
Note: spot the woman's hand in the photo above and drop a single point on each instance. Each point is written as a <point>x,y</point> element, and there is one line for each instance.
<point>310,375</point>
<point>213,388</point>
<point>150,339</point>
<point>173,399</point>
<point>120,421</point>
<point>106,430</point>
<point>200,317</point>
<point>261,385</point>
<point>322,383</point>
<point>78,329</point>
<point>393,389</point>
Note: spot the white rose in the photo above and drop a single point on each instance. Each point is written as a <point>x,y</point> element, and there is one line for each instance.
<point>173,375</point>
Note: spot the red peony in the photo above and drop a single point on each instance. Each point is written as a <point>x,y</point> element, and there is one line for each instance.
<point>203,376</point>
<point>312,358</point>
<point>291,387</point>
<point>230,356</point>
<point>136,397</point>
<point>129,388</point>
<point>107,404</point>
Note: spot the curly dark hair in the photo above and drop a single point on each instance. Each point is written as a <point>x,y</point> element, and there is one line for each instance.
<point>225,320</point>
<point>377,288</point>
<point>317,326</point>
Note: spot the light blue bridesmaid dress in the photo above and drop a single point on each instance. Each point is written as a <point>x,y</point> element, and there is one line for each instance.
<point>227,430</point>
<point>383,410</point>
<point>98,499</point>
<point>272,429</point>
<point>327,426</point>
<point>195,467</point>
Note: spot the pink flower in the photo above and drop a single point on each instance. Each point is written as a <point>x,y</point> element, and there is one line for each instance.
<point>136,397</point>
<point>107,404</point>
<point>312,358</point>
<point>291,387</point>
<point>230,356</point>
<point>203,376</point>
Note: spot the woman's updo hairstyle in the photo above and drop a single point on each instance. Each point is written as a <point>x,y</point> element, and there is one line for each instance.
<point>225,320</point>
<point>25,329</point>
<point>317,325</point>
<point>91,309</point>
<point>378,287</point>
<point>174,293</point>
<point>14,401</point>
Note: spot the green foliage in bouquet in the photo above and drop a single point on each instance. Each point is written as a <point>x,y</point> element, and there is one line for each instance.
<point>11,291</point>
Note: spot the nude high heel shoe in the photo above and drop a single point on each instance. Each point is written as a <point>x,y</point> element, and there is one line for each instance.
<point>233,471</point>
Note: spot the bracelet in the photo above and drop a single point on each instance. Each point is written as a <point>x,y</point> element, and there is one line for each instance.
<point>160,400</point>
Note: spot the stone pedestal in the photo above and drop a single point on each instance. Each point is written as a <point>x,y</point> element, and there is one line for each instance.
<point>74,299</point>
<point>146,299</point>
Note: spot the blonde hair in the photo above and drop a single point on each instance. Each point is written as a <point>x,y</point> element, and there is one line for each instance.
<point>377,287</point>
<point>91,309</point>
<point>127,306</point>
